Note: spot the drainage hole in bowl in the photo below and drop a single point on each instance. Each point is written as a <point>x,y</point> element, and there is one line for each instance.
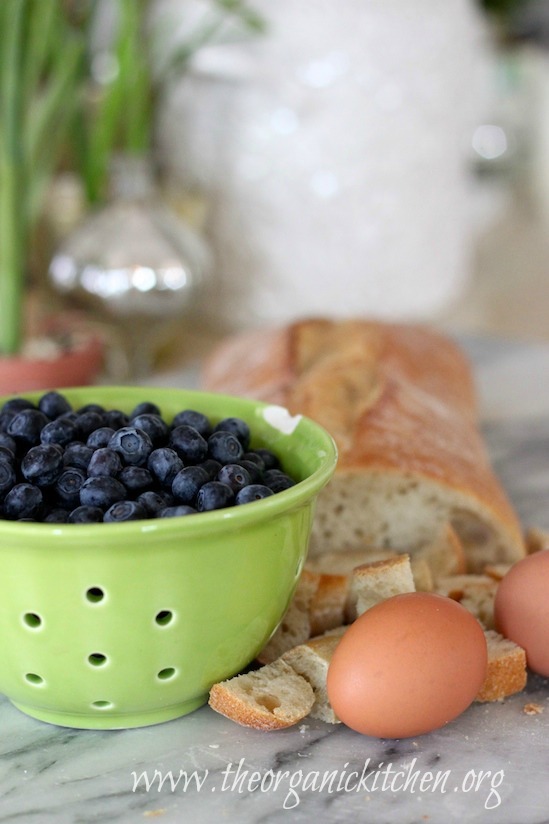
<point>97,659</point>
<point>34,679</point>
<point>164,617</point>
<point>32,620</point>
<point>95,595</point>
<point>166,673</point>
<point>102,705</point>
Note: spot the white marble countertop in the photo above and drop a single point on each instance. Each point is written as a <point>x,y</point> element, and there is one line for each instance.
<point>490,765</point>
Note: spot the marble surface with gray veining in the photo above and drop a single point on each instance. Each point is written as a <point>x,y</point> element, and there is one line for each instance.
<point>490,765</point>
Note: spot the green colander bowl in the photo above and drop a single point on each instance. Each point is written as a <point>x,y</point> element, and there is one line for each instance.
<point>109,626</point>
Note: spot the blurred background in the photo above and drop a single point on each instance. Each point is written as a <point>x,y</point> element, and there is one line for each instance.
<point>173,170</point>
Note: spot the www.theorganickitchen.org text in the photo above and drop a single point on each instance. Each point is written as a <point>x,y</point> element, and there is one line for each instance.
<point>240,778</point>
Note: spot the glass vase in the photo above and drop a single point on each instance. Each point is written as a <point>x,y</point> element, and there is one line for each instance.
<point>135,264</point>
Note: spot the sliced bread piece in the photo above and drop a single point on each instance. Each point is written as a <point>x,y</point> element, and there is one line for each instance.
<point>327,607</point>
<point>476,592</point>
<point>311,660</point>
<point>295,627</point>
<point>422,574</point>
<point>497,571</point>
<point>372,583</point>
<point>269,698</point>
<point>536,539</point>
<point>506,672</point>
<point>343,562</point>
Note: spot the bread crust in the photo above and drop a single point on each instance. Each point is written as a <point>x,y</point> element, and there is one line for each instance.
<point>400,402</point>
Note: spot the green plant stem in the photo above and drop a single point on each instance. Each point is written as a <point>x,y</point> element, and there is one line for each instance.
<point>13,219</point>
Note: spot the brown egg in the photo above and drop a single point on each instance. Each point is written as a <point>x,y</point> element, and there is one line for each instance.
<point>521,608</point>
<point>407,666</point>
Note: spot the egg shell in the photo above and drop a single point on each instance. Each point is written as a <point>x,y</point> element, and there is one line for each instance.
<point>521,608</point>
<point>407,666</point>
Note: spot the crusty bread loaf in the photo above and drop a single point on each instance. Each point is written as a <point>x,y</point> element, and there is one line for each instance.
<point>444,553</point>
<point>270,698</point>
<point>400,402</point>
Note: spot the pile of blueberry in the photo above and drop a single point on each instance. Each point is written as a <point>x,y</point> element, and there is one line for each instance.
<point>65,465</point>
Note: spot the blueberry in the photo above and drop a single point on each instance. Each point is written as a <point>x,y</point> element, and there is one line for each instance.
<point>234,476</point>
<point>253,492</point>
<point>104,462</point>
<point>6,454</point>
<point>54,404</point>
<point>187,482</point>
<point>116,419</point>
<point>102,492</point>
<point>8,477</point>
<point>133,445</point>
<point>8,442</point>
<point>238,428</point>
<point>145,408</point>
<point>56,516</point>
<point>5,419</point>
<point>136,479</point>
<point>255,458</point>
<point>188,443</point>
<point>17,405</point>
<point>253,470</point>
<point>67,487</point>
<point>176,511</point>
<point>91,407</point>
<point>26,425</point>
<point>269,459</point>
<point>164,464</point>
<point>190,417</point>
<point>125,511</point>
<point>214,495</point>
<point>61,431</point>
<point>211,467</point>
<point>153,425</point>
<point>153,502</point>
<point>87,421</point>
<point>43,464</point>
<point>277,480</point>
<point>100,437</point>
<point>24,500</point>
<point>224,447</point>
<point>85,515</point>
<point>77,454</point>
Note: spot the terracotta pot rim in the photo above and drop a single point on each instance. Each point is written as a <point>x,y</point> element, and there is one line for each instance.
<point>79,366</point>
<point>90,344</point>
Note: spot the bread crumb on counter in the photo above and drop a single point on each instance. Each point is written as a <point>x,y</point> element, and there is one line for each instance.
<point>532,709</point>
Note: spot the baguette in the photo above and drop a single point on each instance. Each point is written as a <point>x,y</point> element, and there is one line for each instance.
<point>400,402</point>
